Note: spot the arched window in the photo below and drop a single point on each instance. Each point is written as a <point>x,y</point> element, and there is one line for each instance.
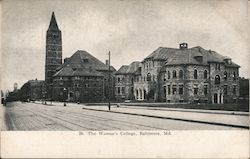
<point>234,76</point>
<point>225,76</point>
<point>148,77</point>
<point>217,79</point>
<point>195,74</point>
<point>174,74</point>
<point>205,74</point>
<point>164,77</point>
<point>181,74</point>
<point>169,75</point>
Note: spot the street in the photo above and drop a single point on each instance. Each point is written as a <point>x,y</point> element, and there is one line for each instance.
<point>36,116</point>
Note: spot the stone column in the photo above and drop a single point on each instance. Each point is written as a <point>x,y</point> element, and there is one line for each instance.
<point>222,98</point>
<point>212,98</point>
<point>218,97</point>
<point>142,95</point>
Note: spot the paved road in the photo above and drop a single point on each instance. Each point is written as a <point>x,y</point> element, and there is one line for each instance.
<point>35,116</point>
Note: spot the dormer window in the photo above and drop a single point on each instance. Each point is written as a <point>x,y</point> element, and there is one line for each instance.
<point>85,60</point>
<point>228,61</point>
<point>199,58</point>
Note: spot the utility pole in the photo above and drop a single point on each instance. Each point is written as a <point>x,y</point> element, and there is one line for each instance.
<point>109,82</point>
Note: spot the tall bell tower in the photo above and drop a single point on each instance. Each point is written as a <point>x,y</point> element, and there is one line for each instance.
<point>53,53</point>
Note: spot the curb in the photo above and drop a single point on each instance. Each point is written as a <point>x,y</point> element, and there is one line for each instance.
<point>178,119</point>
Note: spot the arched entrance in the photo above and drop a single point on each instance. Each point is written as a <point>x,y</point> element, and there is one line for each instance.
<point>215,98</point>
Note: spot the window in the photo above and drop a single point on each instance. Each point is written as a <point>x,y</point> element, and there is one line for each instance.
<point>148,77</point>
<point>123,79</point>
<point>234,90</point>
<point>118,79</point>
<point>225,89</point>
<point>85,60</point>
<point>169,74</point>
<point>174,74</point>
<point>164,91</point>
<point>195,74</point>
<point>76,85</point>
<point>205,74</point>
<point>153,77</point>
<point>132,80</point>
<point>165,77</point>
<point>234,76</point>
<point>181,89</point>
<point>205,89</point>
<point>174,89</point>
<point>217,66</point>
<point>118,90</point>
<point>195,89</point>
<point>225,76</point>
<point>169,92</point>
<point>217,79</point>
<point>123,90</point>
<point>86,85</point>
<point>181,74</point>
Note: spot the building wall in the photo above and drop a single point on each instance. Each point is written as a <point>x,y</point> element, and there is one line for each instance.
<point>148,81</point>
<point>78,89</point>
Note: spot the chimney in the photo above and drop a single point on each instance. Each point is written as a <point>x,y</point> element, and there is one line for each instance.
<point>107,62</point>
<point>183,46</point>
<point>65,60</point>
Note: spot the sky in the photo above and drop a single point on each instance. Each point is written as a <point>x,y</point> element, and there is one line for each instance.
<point>130,29</point>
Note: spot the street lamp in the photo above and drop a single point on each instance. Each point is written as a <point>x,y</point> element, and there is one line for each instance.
<point>64,93</point>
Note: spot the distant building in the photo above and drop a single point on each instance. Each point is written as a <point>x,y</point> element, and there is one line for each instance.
<point>31,91</point>
<point>190,75</point>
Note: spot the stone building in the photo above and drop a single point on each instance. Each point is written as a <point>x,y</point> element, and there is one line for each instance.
<point>190,75</point>
<point>31,91</point>
<point>124,83</point>
<point>53,53</point>
<point>83,78</point>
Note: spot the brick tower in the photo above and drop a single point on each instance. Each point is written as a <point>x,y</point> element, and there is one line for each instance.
<point>53,53</point>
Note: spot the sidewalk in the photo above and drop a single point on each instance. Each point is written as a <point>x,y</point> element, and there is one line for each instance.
<point>206,117</point>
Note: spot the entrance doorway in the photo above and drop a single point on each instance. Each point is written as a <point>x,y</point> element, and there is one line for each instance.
<point>215,98</point>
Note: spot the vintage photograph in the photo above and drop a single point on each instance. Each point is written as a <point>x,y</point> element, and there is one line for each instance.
<point>113,65</point>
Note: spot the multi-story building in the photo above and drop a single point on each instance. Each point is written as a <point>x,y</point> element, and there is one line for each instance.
<point>31,91</point>
<point>53,54</point>
<point>83,78</point>
<point>187,75</point>
<point>124,83</point>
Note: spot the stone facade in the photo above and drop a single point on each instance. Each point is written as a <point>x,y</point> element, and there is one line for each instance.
<point>186,75</point>
<point>53,53</point>
<point>124,81</point>
<point>31,91</point>
<point>83,78</point>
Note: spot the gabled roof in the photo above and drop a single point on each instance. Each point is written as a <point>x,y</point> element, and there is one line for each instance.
<point>122,70</point>
<point>128,69</point>
<point>81,63</point>
<point>53,24</point>
<point>174,56</point>
<point>69,71</point>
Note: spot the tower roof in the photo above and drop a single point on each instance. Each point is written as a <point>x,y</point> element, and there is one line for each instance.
<point>53,24</point>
